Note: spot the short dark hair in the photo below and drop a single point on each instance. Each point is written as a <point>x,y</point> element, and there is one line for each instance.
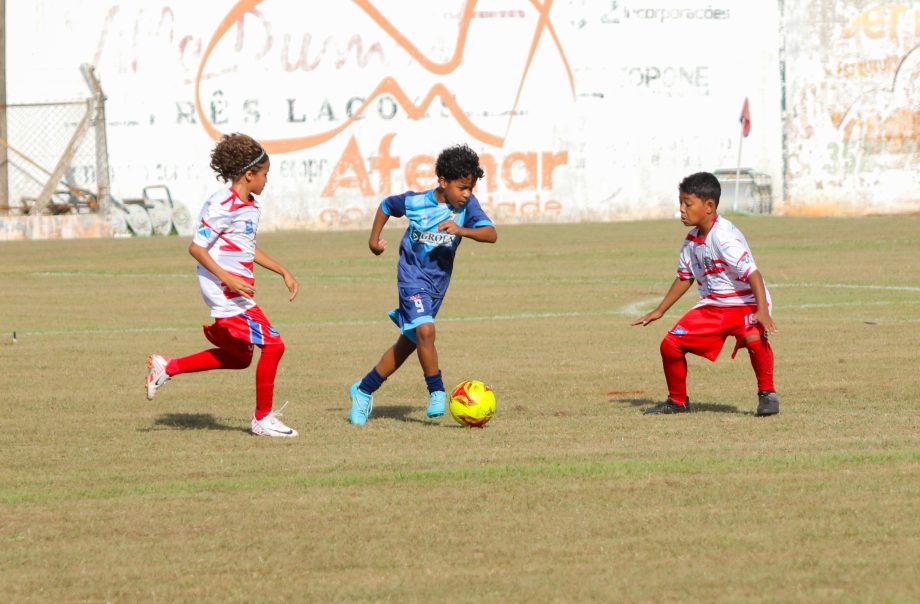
<point>702,184</point>
<point>458,162</point>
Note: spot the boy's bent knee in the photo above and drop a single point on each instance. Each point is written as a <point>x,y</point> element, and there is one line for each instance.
<point>241,358</point>
<point>425,333</point>
<point>274,349</point>
<point>670,349</point>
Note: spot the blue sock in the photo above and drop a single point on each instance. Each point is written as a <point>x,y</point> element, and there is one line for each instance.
<point>372,381</point>
<point>434,382</point>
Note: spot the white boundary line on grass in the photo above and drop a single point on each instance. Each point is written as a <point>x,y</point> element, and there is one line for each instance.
<point>613,282</point>
<point>635,309</point>
<point>891,288</point>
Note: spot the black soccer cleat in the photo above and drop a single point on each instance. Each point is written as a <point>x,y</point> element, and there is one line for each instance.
<point>667,408</point>
<point>767,403</point>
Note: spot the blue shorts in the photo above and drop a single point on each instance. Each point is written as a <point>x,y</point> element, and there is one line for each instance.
<point>416,307</point>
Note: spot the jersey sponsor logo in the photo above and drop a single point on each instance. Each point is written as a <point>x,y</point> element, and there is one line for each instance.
<point>434,238</point>
<point>204,230</point>
<point>249,228</point>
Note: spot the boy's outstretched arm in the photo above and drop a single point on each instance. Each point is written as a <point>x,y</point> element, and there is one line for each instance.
<point>483,234</point>
<point>760,295</point>
<point>233,283</point>
<point>677,289</point>
<point>266,261</point>
<point>377,244</point>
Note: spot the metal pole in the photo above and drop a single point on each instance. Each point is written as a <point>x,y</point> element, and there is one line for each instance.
<point>4,160</point>
<point>738,169</point>
<point>103,187</point>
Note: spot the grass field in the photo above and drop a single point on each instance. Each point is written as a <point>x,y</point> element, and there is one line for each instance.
<point>569,494</point>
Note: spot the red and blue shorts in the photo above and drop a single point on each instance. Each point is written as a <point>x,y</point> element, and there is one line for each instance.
<point>251,328</point>
<point>704,329</point>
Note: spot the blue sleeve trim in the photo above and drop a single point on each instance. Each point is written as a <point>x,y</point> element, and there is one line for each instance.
<point>395,205</point>
<point>481,223</point>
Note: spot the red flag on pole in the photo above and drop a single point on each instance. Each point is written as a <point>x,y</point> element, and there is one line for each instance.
<point>745,118</point>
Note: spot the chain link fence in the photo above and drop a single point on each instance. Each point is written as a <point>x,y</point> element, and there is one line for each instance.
<point>45,139</point>
<point>58,164</point>
<point>57,158</point>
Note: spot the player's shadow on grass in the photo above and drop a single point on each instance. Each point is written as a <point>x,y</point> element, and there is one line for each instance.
<point>192,421</point>
<point>694,407</point>
<point>403,414</point>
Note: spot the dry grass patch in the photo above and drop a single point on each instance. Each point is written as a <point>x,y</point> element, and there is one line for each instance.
<point>570,494</point>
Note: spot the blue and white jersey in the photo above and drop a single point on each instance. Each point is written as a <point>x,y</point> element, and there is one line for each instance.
<point>426,255</point>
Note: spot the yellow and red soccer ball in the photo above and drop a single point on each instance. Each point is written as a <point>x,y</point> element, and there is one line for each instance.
<point>472,403</point>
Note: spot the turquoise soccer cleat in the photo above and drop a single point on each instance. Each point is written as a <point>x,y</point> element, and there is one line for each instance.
<point>362,404</point>
<point>437,403</point>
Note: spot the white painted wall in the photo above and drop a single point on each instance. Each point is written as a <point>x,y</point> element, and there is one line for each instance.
<point>853,106</point>
<point>592,111</point>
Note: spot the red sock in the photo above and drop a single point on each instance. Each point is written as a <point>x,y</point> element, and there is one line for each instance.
<point>215,358</point>
<point>265,377</point>
<point>675,370</point>
<point>762,362</point>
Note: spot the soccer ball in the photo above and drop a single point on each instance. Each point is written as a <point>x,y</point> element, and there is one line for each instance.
<point>472,403</point>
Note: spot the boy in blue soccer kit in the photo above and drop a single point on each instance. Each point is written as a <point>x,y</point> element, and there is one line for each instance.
<point>438,220</point>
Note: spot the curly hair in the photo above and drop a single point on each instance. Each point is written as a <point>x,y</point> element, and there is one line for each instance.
<point>458,162</point>
<point>236,154</point>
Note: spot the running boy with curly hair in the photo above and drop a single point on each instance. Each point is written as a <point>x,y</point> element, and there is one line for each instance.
<point>438,219</point>
<point>225,248</point>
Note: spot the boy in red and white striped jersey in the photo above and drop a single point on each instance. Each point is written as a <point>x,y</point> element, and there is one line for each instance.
<point>225,247</point>
<point>734,300</point>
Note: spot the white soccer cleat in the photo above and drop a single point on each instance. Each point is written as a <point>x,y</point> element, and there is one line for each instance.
<point>270,425</point>
<point>156,374</point>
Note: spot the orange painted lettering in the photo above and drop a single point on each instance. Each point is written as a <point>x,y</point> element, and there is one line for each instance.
<point>529,161</point>
<point>384,163</point>
<point>550,162</point>
<point>388,85</point>
<point>351,161</point>
<point>487,162</point>
<point>420,172</point>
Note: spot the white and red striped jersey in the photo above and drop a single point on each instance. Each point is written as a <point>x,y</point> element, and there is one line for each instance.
<point>721,263</point>
<point>227,228</point>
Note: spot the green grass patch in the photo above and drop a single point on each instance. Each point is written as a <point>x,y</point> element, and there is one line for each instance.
<point>569,494</point>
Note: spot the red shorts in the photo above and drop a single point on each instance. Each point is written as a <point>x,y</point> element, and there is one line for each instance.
<point>704,329</point>
<point>244,330</point>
